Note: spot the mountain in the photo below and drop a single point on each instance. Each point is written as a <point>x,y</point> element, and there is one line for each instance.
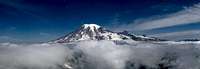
<point>96,32</point>
<point>140,37</point>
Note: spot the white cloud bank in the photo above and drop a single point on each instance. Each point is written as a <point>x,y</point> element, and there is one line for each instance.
<point>99,55</point>
<point>134,55</point>
<point>31,56</point>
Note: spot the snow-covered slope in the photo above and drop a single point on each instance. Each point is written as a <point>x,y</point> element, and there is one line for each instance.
<point>91,32</point>
<point>140,37</point>
<point>96,32</point>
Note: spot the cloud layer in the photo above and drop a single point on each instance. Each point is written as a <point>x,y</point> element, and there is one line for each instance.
<point>134,55</point>
<point>31,56</point>
<point>99,55</point>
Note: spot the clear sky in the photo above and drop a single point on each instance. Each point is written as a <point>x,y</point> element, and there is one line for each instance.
<point>43,20</point>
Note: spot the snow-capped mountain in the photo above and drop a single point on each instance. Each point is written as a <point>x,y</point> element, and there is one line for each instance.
<point>140,37</point>
<point>96,32</point>
<point>91,32</point>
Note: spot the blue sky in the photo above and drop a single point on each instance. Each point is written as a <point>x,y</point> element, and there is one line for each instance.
<point>43,20</point>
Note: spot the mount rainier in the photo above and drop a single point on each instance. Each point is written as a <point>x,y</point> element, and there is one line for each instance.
<point>96,32</point>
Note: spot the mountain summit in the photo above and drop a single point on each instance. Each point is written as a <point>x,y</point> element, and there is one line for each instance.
<point>91,32</point>
<point>96,32</point>
<point>91,26</point>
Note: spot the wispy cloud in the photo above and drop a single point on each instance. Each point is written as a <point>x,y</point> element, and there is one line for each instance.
<point>188,15</point>
<point>4,38</point>
<point>44,34</point>
<point>189,34</point>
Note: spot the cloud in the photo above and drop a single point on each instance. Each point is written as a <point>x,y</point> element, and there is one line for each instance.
<point>99,55</point>
<point>31,56</point>
<point>12,28</point>
<point>108,55</point>
<point>189,34</point>
<point>187,16</point>
<point>44,34</point>
<point>4,38</point>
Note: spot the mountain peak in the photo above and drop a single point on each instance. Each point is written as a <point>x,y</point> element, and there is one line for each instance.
<point>91,32</point>
<point>91,26</point>
<point>96,32</point>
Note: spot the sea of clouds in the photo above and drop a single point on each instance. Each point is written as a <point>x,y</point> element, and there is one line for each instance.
<point>100,55</point>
